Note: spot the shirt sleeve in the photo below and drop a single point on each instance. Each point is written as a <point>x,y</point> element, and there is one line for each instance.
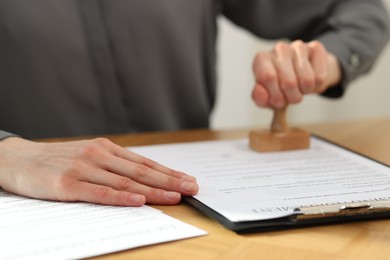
<point>355,31</point>
<point>4,135</point>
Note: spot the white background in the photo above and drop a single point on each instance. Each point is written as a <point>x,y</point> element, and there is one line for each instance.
<point>367,97</point>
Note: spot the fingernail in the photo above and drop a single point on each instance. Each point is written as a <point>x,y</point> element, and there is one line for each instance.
<point>172,195</point>
<point>188,186</point>
<point>189,178</point>
<point>138,199</point>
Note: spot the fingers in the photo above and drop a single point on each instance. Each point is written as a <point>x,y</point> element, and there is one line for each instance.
<point>284,62</point>
<point>89,192</point>
<point>121,171</point>
<point>146,175</point>
<point>136,158</point>
<point>121,183</point>
<point>267,79</point>
<point>150,173</point>
<point>260,96</point>
<point>290,71</point>
<point>319,62</point>
<point>115,167</point>
<point>303,68</point>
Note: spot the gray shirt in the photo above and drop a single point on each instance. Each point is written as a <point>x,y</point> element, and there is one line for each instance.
<point>83,67</point>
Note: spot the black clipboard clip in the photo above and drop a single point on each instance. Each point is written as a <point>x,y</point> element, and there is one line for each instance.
<point>305,216</point>
<point>356,209</point>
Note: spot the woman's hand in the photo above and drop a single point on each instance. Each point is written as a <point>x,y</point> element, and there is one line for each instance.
<point>95,171</point>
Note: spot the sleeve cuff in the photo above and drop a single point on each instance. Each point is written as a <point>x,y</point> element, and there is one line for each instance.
<point>4,135</point>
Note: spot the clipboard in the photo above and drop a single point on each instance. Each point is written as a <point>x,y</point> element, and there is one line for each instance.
<point>305,216</point>
<point>227,169</point>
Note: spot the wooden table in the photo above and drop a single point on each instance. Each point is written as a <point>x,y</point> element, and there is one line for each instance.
<point>359,240</point>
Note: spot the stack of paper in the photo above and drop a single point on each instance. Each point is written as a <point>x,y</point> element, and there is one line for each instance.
<point>35,229</point>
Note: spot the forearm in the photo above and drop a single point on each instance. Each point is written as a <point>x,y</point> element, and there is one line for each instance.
<point>356,33</point>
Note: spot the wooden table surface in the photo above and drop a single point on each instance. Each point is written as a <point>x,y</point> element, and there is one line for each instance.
<point>359,240</point>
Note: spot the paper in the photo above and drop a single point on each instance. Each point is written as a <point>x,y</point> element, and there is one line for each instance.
<point>34,229</point>
<point>244,185</point>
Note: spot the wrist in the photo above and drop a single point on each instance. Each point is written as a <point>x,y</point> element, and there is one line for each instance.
<point>12,142</point>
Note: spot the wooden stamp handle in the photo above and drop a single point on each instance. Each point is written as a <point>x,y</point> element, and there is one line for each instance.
<point>279,122</point>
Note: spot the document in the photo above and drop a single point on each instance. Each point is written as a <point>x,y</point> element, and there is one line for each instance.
<point>243,185</point>
<point>36,229</point>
